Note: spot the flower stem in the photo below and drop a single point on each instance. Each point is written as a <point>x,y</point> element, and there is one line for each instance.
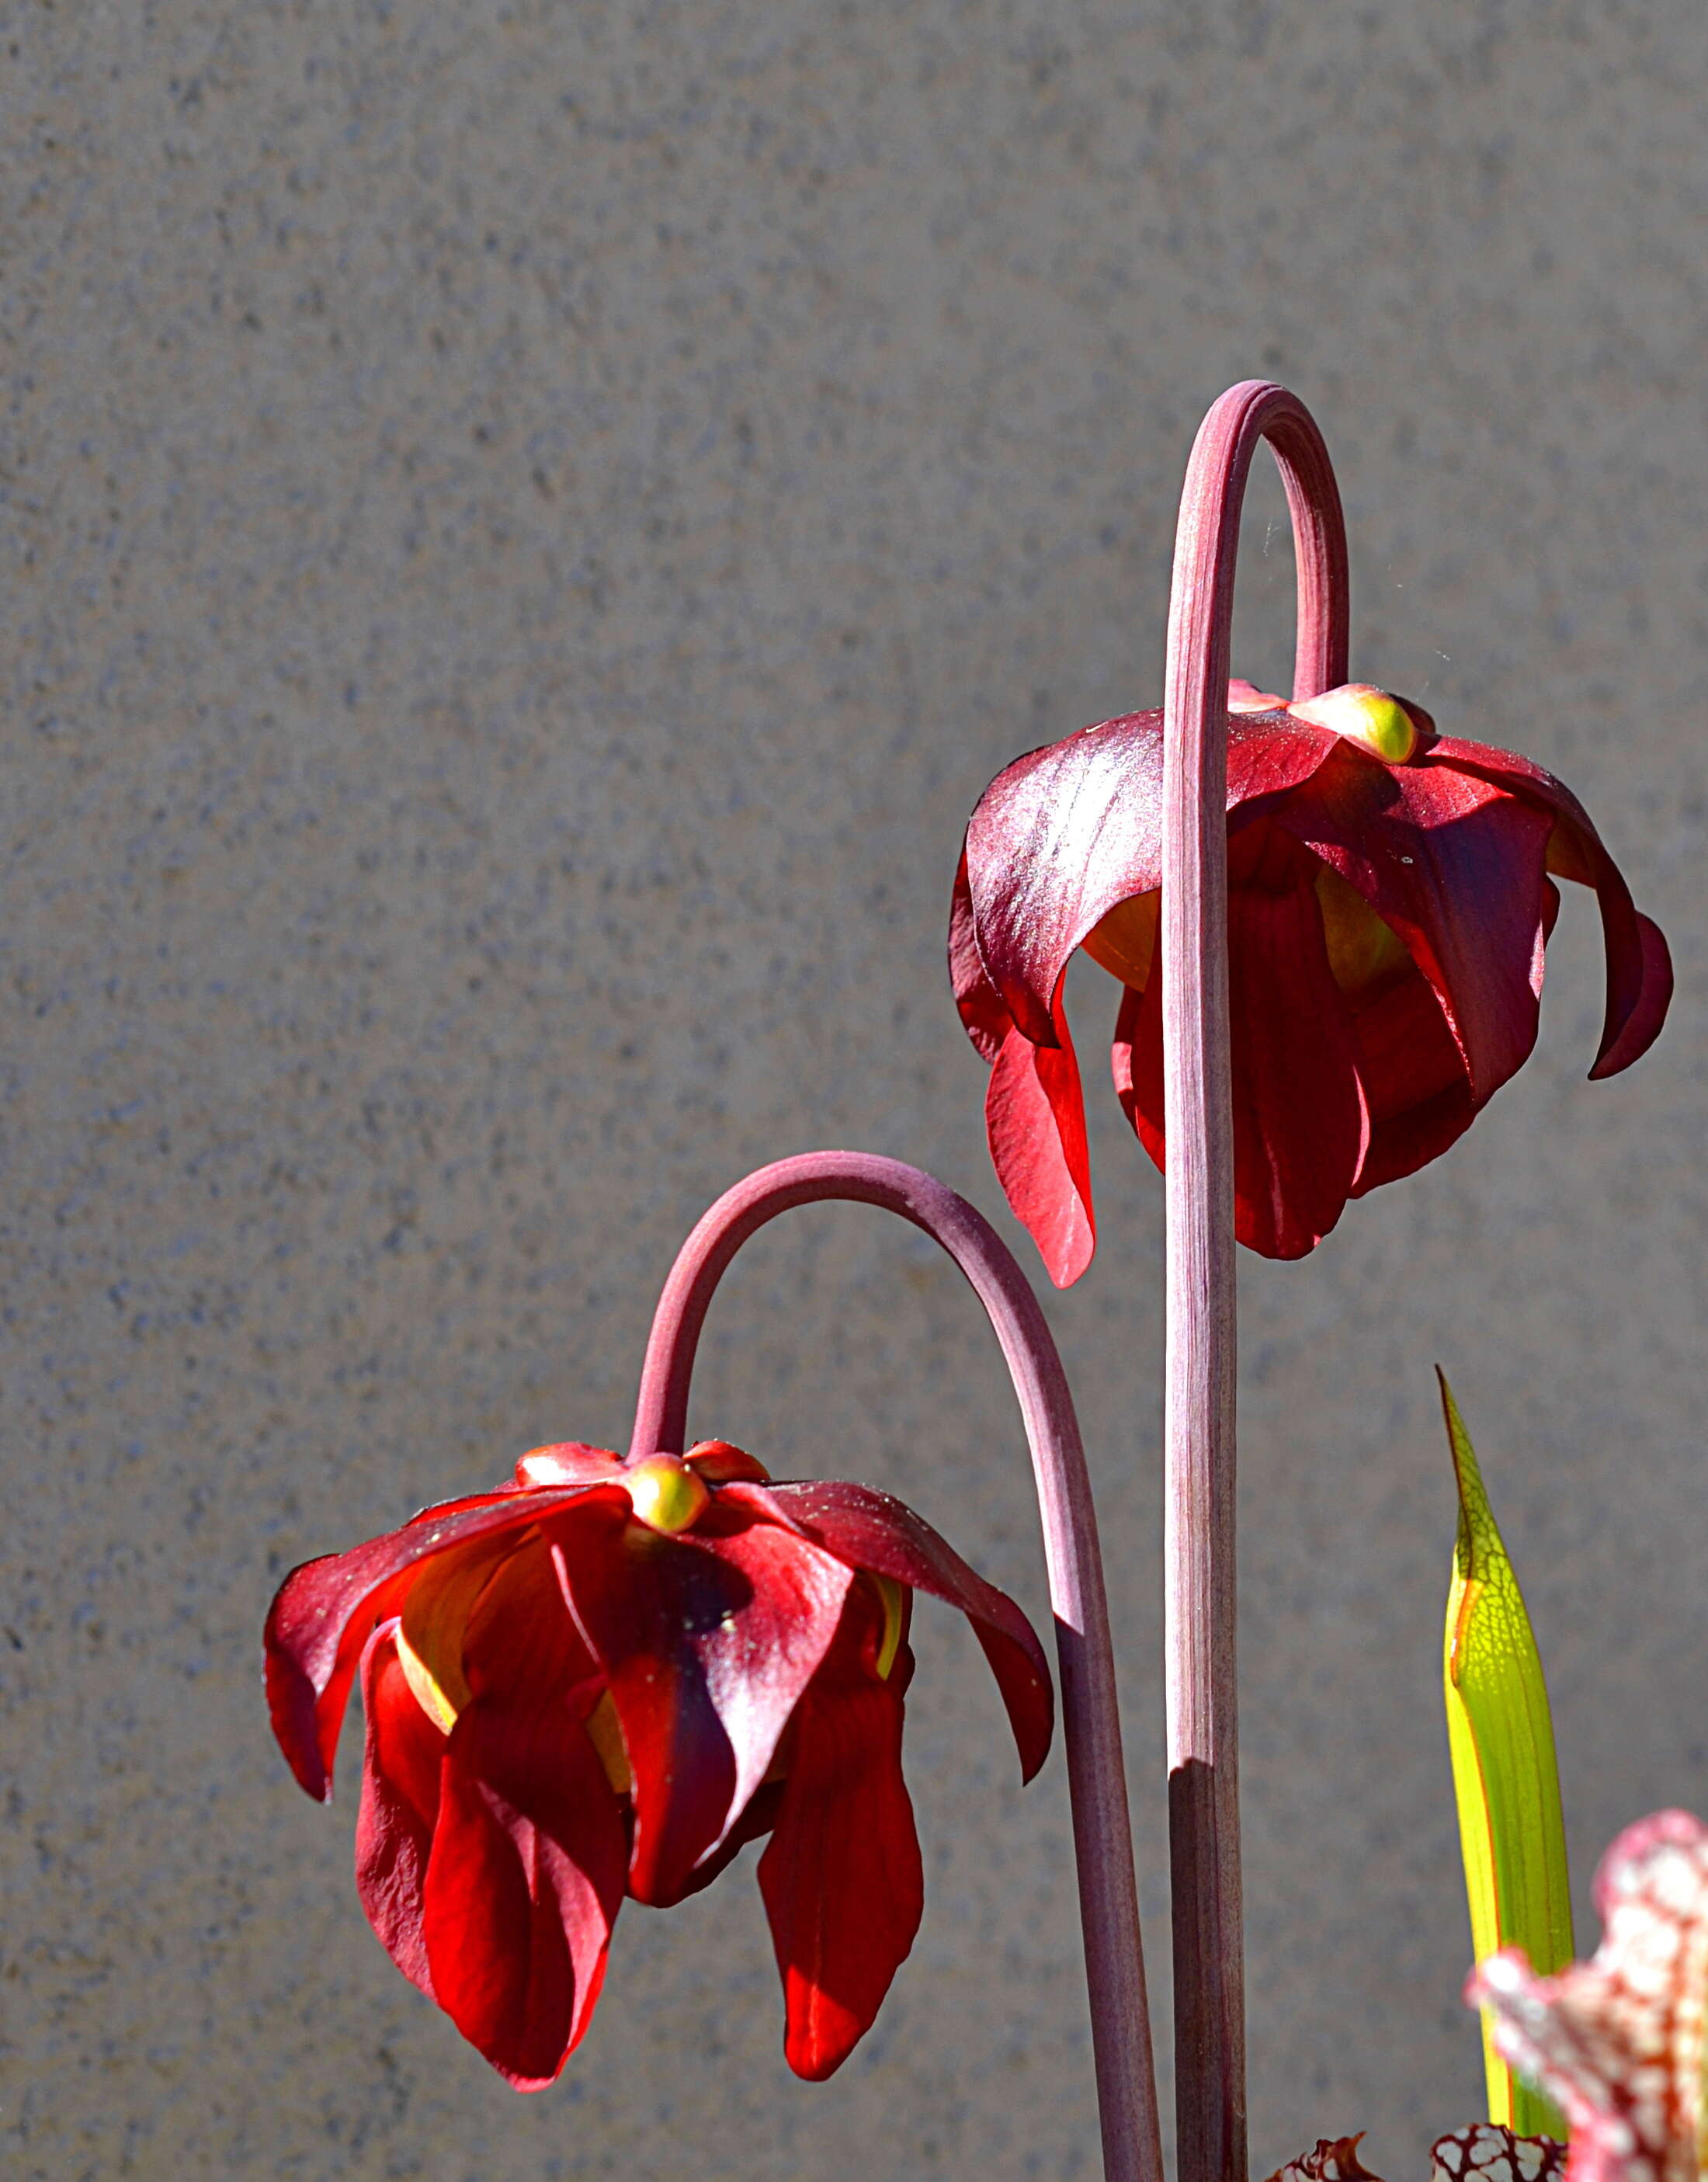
<point>1090,1723</point>
<point>1198,1429</point>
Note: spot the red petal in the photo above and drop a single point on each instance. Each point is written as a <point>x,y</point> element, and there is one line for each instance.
<point>1414,1079</point>
<point>1456,867</point>
<point>524,1882</point>
<point>1136,1062</point>
<point>519,1629</point>
<point>720,1463</point>
<point>399,1804</point>
<point>1035,1118</point>
<point>754,1823</point>
<point>436,1510</point>
<point>1637,1000</point>
<point>1065,833</point>
<point>874,1531</point>
<point>1640,969</point>
<point>1269,753</point>
<point>1301,1125</point>
<point>982,1009</point>
<point>708,1641</point>
<point>844,1885</point>
<point>567,1462</point>
<point>1059,838</point>
<point>324,1611</point>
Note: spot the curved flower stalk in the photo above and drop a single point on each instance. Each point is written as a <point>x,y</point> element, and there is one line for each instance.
<point>606,1675</point>
<point>1091,1718</point>
<point>1618,2041</point>
<point>1328,922</point>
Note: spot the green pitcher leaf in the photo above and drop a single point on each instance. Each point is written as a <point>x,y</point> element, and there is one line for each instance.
<point>1504,1774</point>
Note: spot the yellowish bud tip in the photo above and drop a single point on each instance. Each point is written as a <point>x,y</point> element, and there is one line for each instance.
<point>1365,715</point>
<point>665,1494</point>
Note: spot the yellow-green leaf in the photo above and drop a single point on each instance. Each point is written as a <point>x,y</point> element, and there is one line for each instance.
<point>1504,1774</point>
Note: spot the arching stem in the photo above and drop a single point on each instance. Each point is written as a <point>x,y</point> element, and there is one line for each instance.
<point>1091,1723</point>
<point>1198,1114</point>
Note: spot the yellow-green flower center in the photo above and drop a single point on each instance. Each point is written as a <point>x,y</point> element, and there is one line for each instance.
<point>1364,949</point>
<point>1362,714</point>
<point>665,1494</point>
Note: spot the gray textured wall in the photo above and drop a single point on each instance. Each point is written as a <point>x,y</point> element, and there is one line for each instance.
<point>527,529</point>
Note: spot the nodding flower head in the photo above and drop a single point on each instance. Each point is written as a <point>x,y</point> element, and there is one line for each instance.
<point>603,1679</point>
<point>1389,893</point>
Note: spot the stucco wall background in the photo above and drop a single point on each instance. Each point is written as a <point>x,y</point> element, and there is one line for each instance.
<point>527,529</point>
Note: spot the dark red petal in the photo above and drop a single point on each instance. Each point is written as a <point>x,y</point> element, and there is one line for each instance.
<point>708,1641</point>
<point>1640,968</point>
<point>568,1462</point>
<point>874,1531</point>
<point>1065,833</point>
<point>400,1805</point>
<point>1301,1126</point>
<point>720,1463</point>
<point>324,1611</point>
<point>757,1500</point>
<point>1637,1005</point>
<point>1456,867</point>
<point>524,1881</point>
<point>1136,1062</point>
<point>519,1630</point>
<point>1035,1119</point>
<point>1414,1079</point>
<point>982,1009</point>
<point>843,1882</point>
<point>1411,1139</point>
<point>436,1510</point>
<point>1269,754</point>
<point>754,1823</point>
<point>1059,838</point>
<point>1301,1123</point>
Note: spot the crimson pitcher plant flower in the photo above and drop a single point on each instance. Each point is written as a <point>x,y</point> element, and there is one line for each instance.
<point>1390,892</point>
<point>603,1679</point>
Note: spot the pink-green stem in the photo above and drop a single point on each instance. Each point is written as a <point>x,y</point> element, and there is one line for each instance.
<point>1090,1723</point>
<point>1198,1430</point>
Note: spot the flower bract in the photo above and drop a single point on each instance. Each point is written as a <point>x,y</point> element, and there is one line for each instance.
<point>603,1679</point>
<point>1389,893</point>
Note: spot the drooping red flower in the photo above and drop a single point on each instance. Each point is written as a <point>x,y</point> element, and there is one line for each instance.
<point>1390,892</point>
<point>605,1678</point>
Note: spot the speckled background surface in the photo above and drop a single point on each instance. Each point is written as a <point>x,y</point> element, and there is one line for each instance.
<point>527,527</point>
